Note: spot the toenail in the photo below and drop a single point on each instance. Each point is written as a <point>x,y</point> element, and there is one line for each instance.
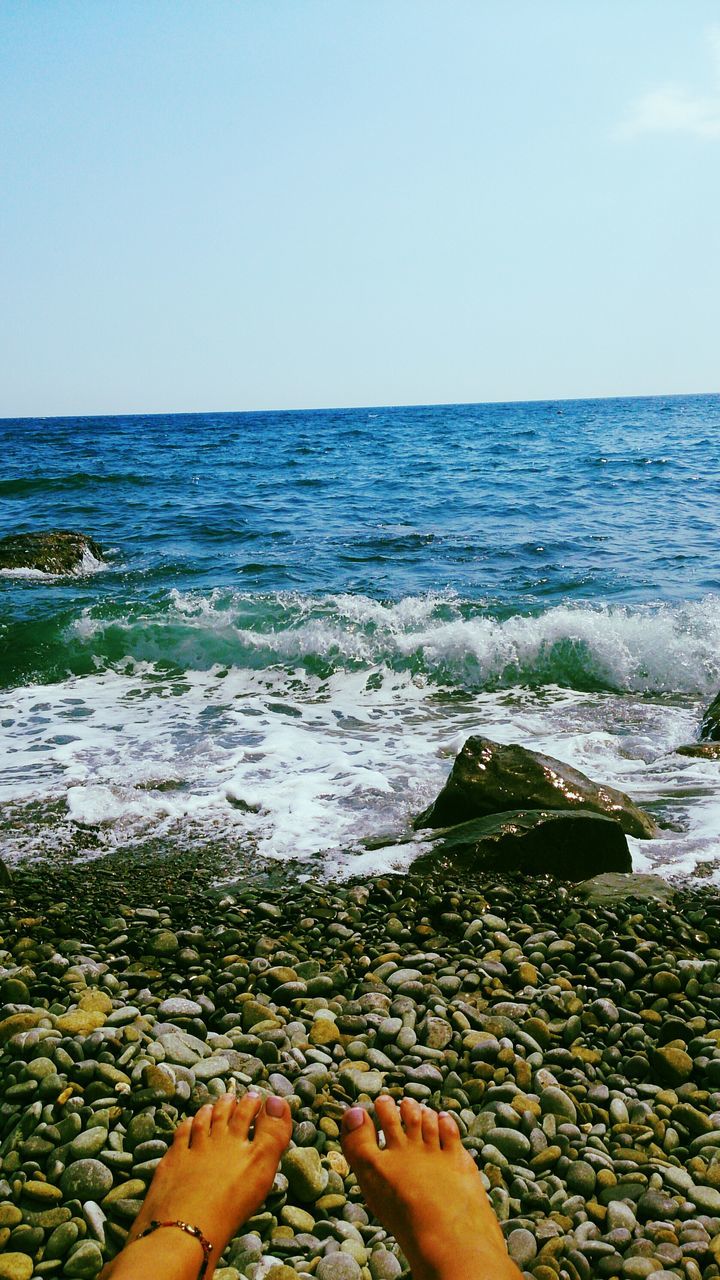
<point>354,1118</point>
<point>275,1106</point>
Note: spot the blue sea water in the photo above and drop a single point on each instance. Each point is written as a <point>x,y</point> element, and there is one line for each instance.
<point>300,616</point>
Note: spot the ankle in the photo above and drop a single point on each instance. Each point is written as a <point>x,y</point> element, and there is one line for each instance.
<point>476,1262</point>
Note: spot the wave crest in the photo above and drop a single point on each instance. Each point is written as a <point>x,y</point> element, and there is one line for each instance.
<point>658,649</point>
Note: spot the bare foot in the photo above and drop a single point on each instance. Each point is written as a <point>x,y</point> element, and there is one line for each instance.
<point>214,1176</point>
<point>426,1189</point>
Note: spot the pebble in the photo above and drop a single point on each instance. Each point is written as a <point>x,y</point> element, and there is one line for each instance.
<point>338,1266</point>
<point>15,1266</point>
<point>577,1046</point>
<point>84,1261</point>
<point>522,1247</point>
<point>307,1178</point>
<point>86,1180</point>
<point>384,1265</point>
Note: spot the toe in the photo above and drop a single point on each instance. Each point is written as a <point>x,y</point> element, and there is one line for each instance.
<point>201,1125</point>
<point>430,1131</point>
<point>245,1112</point>
<point>181,1136</point>
<point>359,1139</point>
<point>273,1126</point>
<point>411,1113</point>
<point>390,1122</point>
<point>222,1113</point>
<point>448,1130</point>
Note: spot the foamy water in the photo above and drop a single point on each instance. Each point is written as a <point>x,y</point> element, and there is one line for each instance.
<point>309,765</point>
<point>300,618</point>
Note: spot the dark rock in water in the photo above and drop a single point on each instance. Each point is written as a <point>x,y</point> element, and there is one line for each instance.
<point>612,887</point>
<point>572,846</point>
<point>5,878</point>
<point>488,777</point>
<point>705,750</point>
<point>710,728</point>
<point>57,551</point>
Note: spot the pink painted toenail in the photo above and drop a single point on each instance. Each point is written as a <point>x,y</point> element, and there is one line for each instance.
<point>354,1118</point>
<point>275,1106</point>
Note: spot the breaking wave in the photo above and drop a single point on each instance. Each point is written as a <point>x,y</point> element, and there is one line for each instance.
<point>451,642</point>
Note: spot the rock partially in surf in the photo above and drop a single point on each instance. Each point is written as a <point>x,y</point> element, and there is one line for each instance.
<point>701,750</point>
<point>571,846</point>
<point>614,888</point>
<point>488,777</point>
<point>710,728</point>
<point>58,552</point>
<point>5,878</point>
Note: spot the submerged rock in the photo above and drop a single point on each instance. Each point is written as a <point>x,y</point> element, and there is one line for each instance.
<point>489,778</point>
<point>58,551</point>
<point>572,846</point>
<point>704,750</point>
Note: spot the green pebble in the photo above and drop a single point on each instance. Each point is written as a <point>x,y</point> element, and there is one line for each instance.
<point>85,1261</point>
<point>61,1240</point>
<point>296,1218</point>
<point>89,1143</point>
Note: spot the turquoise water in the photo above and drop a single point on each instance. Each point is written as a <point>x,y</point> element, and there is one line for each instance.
<point>305,613</point>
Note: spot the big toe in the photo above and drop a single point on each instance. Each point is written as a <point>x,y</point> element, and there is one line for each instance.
<point>359,1139</point>
<point>273,1126</point>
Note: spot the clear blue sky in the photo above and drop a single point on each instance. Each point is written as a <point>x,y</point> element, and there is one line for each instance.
<point>284,203</point>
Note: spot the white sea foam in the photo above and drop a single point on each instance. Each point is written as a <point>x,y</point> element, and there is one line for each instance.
<point>25,573</point>
<point>312,767</point>
<point>87,564</point>
<point>660,649</point>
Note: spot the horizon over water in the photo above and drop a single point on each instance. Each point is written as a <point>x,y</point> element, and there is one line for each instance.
<point>302,615</point>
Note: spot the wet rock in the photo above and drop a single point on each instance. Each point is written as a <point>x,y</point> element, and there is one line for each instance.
<point>489,778</point>
<point>571,846</point>
<point>56,552</point>
<point>700,750</point>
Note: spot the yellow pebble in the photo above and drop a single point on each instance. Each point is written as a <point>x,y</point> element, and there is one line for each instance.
<point>338,1163</point>
<point>79,1022</point>
<point>96,1002</point>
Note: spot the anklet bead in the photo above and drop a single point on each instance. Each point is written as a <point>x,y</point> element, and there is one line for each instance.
<point>190,1230</point>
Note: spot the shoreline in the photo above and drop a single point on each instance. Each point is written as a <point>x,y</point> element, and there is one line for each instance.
<point>577,1045</point>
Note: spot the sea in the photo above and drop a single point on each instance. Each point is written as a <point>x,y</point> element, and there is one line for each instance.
<point>299,617</point>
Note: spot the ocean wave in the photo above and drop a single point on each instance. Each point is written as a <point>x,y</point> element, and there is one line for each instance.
<point>660,649</point>
<point>24,486</point>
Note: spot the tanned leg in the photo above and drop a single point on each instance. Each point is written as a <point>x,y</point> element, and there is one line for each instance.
<point>427,1191</point>
<point>215,1176</point>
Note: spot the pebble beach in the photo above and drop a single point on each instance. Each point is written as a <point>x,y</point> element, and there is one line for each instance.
<point>235,670</point>
<point>576,1042</point>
